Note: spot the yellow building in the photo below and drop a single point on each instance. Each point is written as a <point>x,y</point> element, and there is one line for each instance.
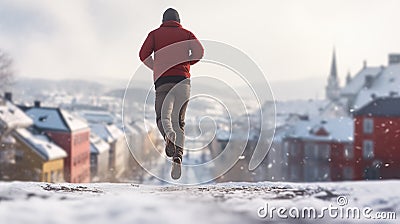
<point>36,158</point>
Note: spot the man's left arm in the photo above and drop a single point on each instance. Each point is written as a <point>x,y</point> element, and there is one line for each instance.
<point>197,50</point>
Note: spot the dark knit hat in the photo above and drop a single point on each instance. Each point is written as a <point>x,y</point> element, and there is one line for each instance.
<point>171,14</point>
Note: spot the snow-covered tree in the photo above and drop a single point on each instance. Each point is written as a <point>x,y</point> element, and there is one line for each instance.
<point>6,72</point>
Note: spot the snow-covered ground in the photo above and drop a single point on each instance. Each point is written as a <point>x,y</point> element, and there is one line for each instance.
<point>29,202</point>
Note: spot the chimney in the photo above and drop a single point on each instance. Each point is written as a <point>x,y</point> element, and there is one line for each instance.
<point>36,103</point>
<point>364,63</point>
<point>8,96</point>
<point>394,59</point>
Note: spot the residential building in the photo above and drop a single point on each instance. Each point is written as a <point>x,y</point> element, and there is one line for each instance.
<point>37,158</point>
<point>119,153</point>
<point>377,139</point>
<point>99,158</point>
<point>320,150</point>
<point>70,133</point>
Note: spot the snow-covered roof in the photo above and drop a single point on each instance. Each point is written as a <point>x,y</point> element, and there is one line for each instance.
<point>7,139</point>
<point>41,145</point>
<point>384,85</point>
<point>114,131</point>
<point>55,119</point>
<point>223,135</point>
<point>335,109</point>
<point>280,132</point>
<point>73,122</point>
<point>338,129</point>
<point>357,82</point>
<point>98,145</point>
<point>130,129</point>
<point>108,132</point>
<point>287,110</point>
<point>98,116</point>
<point>12,117</point>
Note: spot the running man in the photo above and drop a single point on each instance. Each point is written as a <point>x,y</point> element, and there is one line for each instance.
<point>175,50</point>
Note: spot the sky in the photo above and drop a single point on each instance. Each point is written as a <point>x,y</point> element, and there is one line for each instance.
<point>289,40</point>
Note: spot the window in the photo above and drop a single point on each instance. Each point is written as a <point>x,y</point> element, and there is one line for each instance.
<point>368,149</point>
<point>285,152</point>
<point>348,173</point>
<point>59,175</point>
<point>309,150</point>
<point>309,170</point>
<point>294,149</point>
<point>324,172</point>
<point>324,151</point>
<point>368,125</point>
<point>19,155</point>
<point>317,151</point>
<point>316,171</point>
<point>53,176</point>
<point>348,152</point>
<point>294,172</point>
<point>36,174</point>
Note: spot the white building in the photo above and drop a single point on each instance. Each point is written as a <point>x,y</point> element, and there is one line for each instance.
<point>372,82</point>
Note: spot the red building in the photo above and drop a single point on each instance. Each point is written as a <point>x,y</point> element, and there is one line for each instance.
<point>377,139</point>
<point>71,134</point>
<point>319,150</point>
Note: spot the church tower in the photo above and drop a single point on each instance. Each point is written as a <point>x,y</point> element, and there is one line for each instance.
<point>332,90</point>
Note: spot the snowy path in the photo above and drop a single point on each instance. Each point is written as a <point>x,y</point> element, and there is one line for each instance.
<point>99,203</point>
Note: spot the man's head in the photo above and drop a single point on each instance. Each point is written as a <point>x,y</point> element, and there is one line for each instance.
<point>171,14</point>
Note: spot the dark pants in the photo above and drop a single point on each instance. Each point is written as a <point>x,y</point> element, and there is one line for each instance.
<point>170,105</point>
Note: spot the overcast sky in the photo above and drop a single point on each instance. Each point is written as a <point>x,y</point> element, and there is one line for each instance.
<point>290,40</point>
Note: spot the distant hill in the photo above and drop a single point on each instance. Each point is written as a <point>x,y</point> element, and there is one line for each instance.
<point>137,95</point>
<point>308,88</point>
<point>37,85</point>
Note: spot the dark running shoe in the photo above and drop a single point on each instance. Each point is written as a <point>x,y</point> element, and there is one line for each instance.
<point>169,148</point>
<point>177,163</point>
<point>176,168</point>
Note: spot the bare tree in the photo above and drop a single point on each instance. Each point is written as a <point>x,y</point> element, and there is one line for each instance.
<point>6,72</point>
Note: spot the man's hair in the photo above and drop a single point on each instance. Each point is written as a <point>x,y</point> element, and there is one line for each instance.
<point>171,14</point>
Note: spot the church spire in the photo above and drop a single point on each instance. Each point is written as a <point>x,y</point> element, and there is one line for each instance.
<point>332,90</point>
<point>333,65</point>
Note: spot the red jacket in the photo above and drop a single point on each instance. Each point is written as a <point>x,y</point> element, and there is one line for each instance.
<point>175,60</point>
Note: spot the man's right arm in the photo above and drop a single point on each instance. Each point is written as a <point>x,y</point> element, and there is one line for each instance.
<point>146,51</point>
